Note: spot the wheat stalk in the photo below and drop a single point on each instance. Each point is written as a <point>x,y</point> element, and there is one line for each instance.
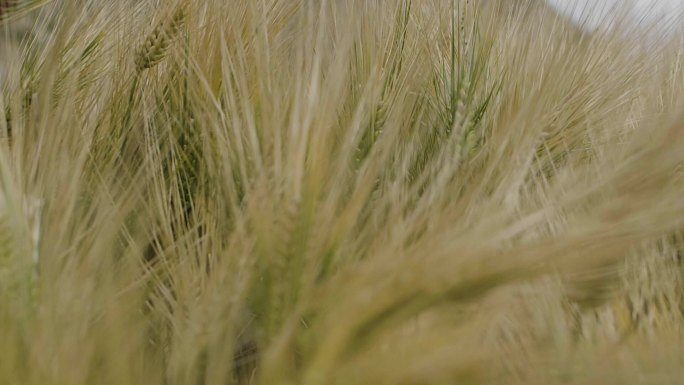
<point>157,43</point>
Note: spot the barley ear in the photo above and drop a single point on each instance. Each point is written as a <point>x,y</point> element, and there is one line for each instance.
<point>157,43</point>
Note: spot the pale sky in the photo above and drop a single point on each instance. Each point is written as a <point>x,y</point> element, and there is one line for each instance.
<point>598,14</point>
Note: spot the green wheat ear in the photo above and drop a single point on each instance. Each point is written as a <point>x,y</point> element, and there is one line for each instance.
<point>157,43</point>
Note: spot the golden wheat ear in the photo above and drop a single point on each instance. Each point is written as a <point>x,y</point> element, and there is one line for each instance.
<point>157,43</point>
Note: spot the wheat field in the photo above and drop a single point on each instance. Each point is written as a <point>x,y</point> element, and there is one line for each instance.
<point>314,192</point>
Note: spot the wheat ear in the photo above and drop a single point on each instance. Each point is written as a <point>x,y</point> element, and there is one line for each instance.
<point>157,43</point>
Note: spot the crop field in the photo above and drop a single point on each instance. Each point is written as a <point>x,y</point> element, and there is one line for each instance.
<point>338,192</point>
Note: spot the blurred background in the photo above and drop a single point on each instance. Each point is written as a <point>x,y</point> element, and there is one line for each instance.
<point>658,18</point>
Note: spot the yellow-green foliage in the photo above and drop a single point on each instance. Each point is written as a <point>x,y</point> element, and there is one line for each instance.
<point>309,192</point>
